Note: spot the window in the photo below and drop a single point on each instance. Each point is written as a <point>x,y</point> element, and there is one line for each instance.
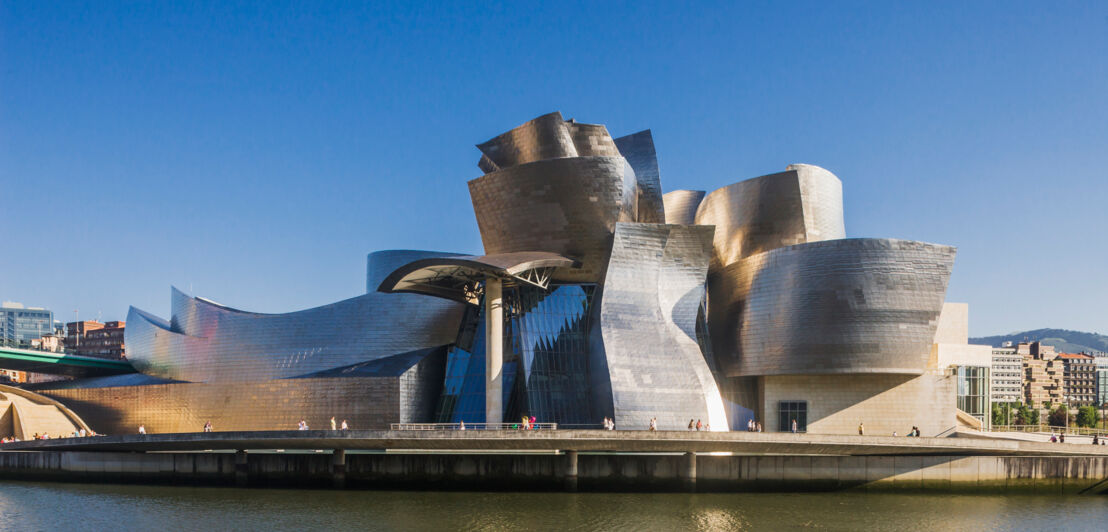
<point>787,411</point>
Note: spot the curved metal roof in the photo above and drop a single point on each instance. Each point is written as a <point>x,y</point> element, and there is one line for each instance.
<point>456,278</point>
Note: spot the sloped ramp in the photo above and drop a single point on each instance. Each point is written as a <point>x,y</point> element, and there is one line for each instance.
<point>24,414</point>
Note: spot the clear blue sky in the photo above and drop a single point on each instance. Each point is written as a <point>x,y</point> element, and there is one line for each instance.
<point>256,152</point>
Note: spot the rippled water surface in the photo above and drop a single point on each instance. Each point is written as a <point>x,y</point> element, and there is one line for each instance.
<point>47,506</point>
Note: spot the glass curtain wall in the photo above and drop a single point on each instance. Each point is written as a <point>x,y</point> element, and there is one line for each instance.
<point>550,338</point>
<point>973,392</point>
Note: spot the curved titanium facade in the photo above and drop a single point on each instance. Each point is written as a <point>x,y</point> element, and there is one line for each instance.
<point>652,292</point>
<point>207,342</point>
<point>801,204</point>
<point>840,306</point>
<point>546,137</point>
<point>638,149</point>
<point>681,205</point>
<point>565,206</point>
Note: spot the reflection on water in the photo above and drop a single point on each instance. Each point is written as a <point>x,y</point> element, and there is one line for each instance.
<point>44,506</point>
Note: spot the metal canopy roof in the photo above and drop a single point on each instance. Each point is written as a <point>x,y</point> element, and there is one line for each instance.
<point>458,278</point>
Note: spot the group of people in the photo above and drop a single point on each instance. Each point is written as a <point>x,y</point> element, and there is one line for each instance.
<point>695,424</point>
<point>1061,438</point>
<point>526,423</point>
<point>79,433</point>
<point>753,426</point>
<point>303,425</point>
<point>609,423</point>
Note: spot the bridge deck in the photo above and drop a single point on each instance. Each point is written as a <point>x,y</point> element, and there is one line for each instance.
<point>61,363</point>
<point>578,440</point>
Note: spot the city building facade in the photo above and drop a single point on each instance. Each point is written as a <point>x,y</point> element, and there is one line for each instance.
<point>1006,375</point>
<point>1080,379</point>
<point>20,325</point>
<point>596,297</point>
<point>105,342</point>
<point>1100,361</point>
<point>1043,383</point>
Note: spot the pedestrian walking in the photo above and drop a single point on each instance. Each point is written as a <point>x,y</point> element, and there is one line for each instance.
<point>699,425</point>
<point>794,426</point>
<point>861,429</point>
<point>344,425</point>
<point>654,425</point>
<point>333,426</point>
<point>461,425</point>
<point>142,429</point>
<point>759,426</point>
<point>692,424</point>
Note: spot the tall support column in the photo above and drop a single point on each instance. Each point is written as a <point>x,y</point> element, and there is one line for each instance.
<point>242,470</point>
<point>494,350</point>
<point>571,471</point>
<point>338,468</point>
<point>689,473</point>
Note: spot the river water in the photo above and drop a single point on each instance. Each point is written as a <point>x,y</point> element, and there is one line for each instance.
<point>51,506</point>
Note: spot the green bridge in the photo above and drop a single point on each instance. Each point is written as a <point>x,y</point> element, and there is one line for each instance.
<point>61,363</point>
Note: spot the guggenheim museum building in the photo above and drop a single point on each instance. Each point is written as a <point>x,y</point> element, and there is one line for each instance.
<point>597,296</point>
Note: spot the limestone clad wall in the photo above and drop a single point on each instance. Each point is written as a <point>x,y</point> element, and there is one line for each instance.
<point>884,403</point>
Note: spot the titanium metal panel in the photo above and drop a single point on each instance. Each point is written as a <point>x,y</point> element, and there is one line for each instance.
<point>638,149</point>
<point>681,205</point>
<point>545,137</point>
<point>565,206</point>
<point>653,290</point>
<point>207,342</point>
<point>839,306</point>
<point>365,402</point>
<point>802,204</point>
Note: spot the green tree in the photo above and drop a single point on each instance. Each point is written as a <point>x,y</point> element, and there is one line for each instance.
<point>1086,416</point>
<point>1005,414</point>
<point>1058,416</point>
<point>1028,416</point>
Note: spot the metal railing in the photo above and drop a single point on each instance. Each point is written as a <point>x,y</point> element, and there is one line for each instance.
<point>1047,429</point>
<point>473,426</point>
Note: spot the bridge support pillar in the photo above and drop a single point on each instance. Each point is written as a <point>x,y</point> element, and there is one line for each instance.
<point>242,471</point>
<point>571,471</point>
<point>688,471</point>
<point>338,468</point>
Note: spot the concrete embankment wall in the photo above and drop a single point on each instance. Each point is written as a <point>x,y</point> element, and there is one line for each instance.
<point>595,472</point>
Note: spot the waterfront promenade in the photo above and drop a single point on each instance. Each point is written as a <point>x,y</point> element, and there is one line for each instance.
<point>496,441</point>
<point>585,460</point>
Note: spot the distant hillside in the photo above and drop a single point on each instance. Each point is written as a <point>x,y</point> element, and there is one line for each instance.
<point>1063,340</point>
